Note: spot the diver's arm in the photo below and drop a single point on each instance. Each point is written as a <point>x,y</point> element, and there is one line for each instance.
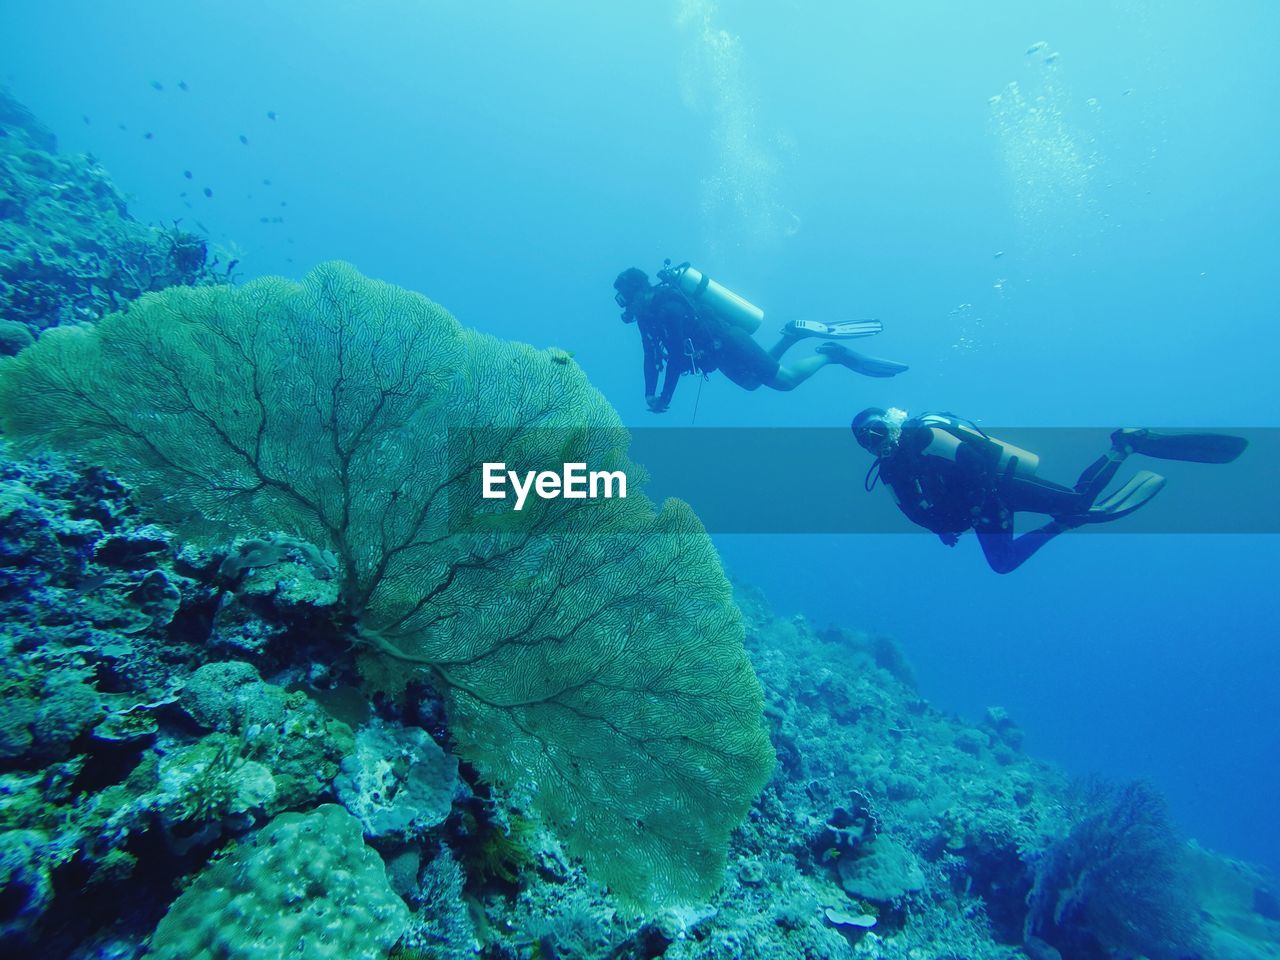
<point>896,474</point>
<point>651,365</point>
<point>669,382</point>
<point>672,320</point>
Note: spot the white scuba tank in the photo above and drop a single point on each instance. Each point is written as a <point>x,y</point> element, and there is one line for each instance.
<point>733,308</point>
<point>1015,460</point>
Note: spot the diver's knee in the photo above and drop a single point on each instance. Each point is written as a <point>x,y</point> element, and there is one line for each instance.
<point>1003,565</point>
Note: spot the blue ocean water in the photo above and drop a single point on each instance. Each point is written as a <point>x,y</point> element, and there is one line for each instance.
<point>1091,247</point>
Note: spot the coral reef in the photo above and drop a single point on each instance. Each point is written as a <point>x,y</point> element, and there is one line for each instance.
<point>123,737</point>
<point>69,251</point>
<point>567,645</point>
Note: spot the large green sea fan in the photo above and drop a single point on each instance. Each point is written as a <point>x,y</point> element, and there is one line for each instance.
<point>590,651</point>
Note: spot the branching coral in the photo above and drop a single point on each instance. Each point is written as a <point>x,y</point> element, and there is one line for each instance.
<point>1117,880</point>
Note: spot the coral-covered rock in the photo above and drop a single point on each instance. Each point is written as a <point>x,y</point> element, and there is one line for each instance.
<point>302,745</point>
<point>305,887</point>
<point>885,871</point>
<point>24,880</point>
<point>398,782</point>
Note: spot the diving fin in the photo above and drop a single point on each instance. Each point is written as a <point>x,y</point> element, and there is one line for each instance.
<point>844,330</point>
<point>1194,447</point>
<point>860,362</point>
<point>1142,486</point>
<point>851,329</point>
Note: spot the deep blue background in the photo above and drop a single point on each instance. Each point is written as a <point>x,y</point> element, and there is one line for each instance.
<point>827,160</point>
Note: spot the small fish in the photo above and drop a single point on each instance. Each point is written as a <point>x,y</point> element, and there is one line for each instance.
<point>1052,58</point>
<point>148,135</point>
<point>182,85</point>
<point>187,174</point>
<point>123,127</point>
<point>183,193</point>
<point>997,255</point>
<point>284,203</point>
<point>1037,47</point>
<point>271,114</point>
<point>264,220</point>
<point>266,183</point>
<point>85,118</point>
<point>208,191</point>
<point>157,85</point>
<point>244,139</point>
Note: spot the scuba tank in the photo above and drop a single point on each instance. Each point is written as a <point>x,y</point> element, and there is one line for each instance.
<point>704,291</point>
<point>1010,461</point>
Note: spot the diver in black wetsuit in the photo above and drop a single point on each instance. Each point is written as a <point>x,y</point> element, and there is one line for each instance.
<point>948,476</point>
<point>683,337</point>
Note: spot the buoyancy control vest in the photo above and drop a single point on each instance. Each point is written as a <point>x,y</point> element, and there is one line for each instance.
<point>945,468</point>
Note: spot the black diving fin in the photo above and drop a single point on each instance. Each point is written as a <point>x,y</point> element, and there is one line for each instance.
<point>1193,447</point>
<point>1140,488</point>
<point>860,362</point>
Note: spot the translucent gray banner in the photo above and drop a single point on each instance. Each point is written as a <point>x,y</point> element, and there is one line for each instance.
<point>800,480</point>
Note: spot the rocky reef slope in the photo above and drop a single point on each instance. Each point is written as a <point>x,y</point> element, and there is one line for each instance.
<point>69,250</point>
<point>165,708</point>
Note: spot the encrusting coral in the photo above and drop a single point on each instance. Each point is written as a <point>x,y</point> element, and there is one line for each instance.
<point>304,887</point>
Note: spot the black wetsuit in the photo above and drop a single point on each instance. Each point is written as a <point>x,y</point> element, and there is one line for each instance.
<point>685,340</point>
<point>950,488</point>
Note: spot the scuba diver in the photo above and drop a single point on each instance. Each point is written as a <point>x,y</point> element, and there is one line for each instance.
<point>691,324</point>
<point>948,476</point>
